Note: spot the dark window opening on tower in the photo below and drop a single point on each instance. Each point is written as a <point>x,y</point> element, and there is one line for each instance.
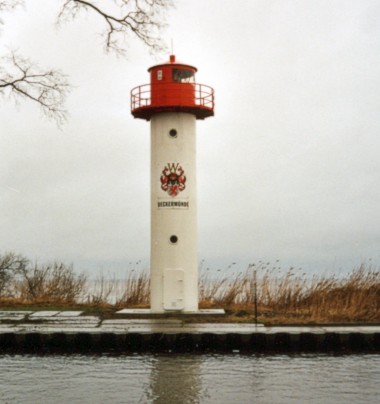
<point>183,76</point>
<point>173,239</point>
<point>173,133</point>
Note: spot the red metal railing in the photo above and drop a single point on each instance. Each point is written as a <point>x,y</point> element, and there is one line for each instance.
<point>172,94</point>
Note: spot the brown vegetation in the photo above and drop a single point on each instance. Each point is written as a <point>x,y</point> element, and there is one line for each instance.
<point>32,283</point>
<point>290,297</point>
<point>132,292</point>
<point>293,297</point>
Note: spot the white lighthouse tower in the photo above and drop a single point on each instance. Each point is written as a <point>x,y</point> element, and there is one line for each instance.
<point>172,102</point>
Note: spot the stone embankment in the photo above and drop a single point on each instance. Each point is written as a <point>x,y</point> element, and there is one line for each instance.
<point>71,331</point>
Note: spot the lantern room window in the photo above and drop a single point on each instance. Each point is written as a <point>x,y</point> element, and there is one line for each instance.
<point>183,76</point>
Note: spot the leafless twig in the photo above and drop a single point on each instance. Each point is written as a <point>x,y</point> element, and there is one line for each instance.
<point>143,18</point>
<point>8,5</point>
<point>20,78</point>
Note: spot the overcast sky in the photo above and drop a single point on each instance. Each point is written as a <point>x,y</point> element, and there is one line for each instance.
<point>288,169</point>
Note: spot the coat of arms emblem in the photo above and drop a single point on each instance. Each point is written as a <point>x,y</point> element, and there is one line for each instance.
<point>173,179</point>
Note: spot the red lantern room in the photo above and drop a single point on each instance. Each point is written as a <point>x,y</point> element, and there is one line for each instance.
<point>172,88</point>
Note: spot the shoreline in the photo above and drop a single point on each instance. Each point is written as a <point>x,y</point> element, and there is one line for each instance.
<point>75,332</point>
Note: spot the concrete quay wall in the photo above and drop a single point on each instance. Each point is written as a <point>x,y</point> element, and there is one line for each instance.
<point>86,342</point>
<point>45,332</point>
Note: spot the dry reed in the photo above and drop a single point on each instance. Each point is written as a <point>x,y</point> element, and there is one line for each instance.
<point>292,296</point>
<point>289,296</point>
<point>56,283</point>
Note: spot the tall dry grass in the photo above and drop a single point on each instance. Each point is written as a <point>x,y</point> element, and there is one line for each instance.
<point>293,295</point>
<point>27,282</point>
<point>280,296</point>
<point>133,291</point>
<point>356,297</point>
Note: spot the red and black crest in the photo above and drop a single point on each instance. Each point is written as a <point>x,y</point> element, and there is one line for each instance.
<point>173,179</point>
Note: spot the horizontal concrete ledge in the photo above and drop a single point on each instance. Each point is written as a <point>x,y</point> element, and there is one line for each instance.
<point>42,332</point>
<point>149,312</point>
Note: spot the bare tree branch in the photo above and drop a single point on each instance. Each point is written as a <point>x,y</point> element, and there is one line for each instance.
<point>9,5</point>
<point>19,78</point>
<point>10,265</point>
<point>142,18</point>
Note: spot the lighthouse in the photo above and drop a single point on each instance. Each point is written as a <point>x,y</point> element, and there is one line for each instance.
<point>172,102</point>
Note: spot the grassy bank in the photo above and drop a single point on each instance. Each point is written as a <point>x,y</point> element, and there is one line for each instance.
<point>280,297</point>
<point>292,297</point>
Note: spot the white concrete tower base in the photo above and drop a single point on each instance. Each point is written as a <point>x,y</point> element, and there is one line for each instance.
<point>174,258</point>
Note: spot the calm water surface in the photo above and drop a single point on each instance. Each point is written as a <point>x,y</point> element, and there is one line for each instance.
<point>190,379</point>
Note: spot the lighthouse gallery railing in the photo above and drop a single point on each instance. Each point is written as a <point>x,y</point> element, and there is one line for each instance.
<point>149,95</point>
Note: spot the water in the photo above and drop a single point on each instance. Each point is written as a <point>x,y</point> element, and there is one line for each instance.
<point>190,379</point>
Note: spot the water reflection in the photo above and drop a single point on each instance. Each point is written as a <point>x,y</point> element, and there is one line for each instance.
<point>175,381</point>
<point>189,379</point>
